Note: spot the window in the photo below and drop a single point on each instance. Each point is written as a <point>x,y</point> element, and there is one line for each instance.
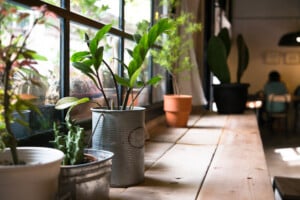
<point>58,42</point>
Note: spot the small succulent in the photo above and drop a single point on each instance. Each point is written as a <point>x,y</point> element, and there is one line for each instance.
<point>70,137</point>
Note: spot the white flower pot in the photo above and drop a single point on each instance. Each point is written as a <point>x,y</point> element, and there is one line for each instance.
<point>37,180</point>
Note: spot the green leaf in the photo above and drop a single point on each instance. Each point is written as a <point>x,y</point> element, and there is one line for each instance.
<point>134,77</point>
<point>243,57</point>
<point>98,58</point>
<point>67,102</point>
<point>217,59</point>
<point>224,36</point>
<point>122,81</point>
<point>83,67</point>
<point>154,80</point>
<point>35,56</point>
<point>98,37</point>
<point>79,56</point>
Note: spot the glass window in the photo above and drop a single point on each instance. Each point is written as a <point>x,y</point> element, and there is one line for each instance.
<point>135,12</point>
<point>105,11</point>
<point>53,2</point>
<point>44,85</point>
<point>82,86</point>
<point>160,89</point>
<point>87,17</point>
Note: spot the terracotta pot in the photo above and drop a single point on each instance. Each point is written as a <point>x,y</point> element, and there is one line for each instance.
<point>177,109</point>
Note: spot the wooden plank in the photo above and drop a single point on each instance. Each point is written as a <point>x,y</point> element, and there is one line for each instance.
<point>239,169</point>
<point>201,136</point>
<point>154,151</point>
<point>177,160</point>
<point>176,176</point>
<point>211,121</point>
<point>163,133</point>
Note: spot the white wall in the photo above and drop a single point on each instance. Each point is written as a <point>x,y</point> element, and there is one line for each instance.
<point>262,22</point>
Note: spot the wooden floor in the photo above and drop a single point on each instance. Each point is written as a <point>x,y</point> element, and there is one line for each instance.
<point>217,157</point>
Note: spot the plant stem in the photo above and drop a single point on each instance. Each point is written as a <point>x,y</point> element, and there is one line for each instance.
<point>10,141</point>
<point>100,87</point>
<point>126,99</point>
<point>115,82</point>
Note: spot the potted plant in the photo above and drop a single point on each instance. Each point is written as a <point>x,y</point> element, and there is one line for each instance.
<point>229,97</point>
<point>119,128</point>
<point>19,165</point>
<point>174,56</point>
<point>85,173</point>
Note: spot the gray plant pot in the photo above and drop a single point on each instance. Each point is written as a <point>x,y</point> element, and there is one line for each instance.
<point>123,133</point>
<point>89,181</point>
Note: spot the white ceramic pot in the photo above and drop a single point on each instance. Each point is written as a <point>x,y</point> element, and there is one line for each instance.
<point>36,180</point>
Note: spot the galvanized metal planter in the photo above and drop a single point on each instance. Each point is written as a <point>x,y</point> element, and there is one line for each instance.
<point>123,133</point>
<point>89,181</point>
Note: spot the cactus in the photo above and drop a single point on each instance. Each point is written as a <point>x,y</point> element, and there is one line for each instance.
<point>72,142</point>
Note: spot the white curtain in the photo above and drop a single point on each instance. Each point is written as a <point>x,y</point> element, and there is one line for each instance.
<point>190,81</point>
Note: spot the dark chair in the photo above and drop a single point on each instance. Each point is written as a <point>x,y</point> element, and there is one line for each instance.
<point>288,188</point>
<point>275,116</point>
<point>296,101</point>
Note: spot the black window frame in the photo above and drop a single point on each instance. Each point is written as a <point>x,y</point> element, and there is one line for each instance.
<point>153,109</point>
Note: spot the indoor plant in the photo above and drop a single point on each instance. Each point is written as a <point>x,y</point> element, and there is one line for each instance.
<point>120,128</point>
<point>174,56</point>
<point>85,173</point>
<point>229,97</point>
<point>39,162</point>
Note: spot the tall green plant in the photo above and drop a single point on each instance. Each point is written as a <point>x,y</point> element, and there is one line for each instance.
<point>217,56</point>
<point>89,62</point>
<point>174,55</point>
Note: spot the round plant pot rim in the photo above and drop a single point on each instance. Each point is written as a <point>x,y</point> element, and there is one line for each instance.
<point>178,95</point>
<point>104,109</point>
<point>59,156</point>
<point>232,85</point>
<point>98,160</point>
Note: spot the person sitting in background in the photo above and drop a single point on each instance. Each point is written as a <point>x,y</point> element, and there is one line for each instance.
<point>277,87</point>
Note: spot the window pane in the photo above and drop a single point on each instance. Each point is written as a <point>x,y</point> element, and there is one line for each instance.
<point>53,2</point>
<point>81,85</point>
<point>160,89</point>
<point>105,11</point>
<point>135,12</point>
<point>44,85</point>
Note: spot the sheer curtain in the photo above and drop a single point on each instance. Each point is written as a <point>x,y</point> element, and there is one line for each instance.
<point>190,81</point>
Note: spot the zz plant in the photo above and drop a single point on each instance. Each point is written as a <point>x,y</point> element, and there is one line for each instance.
<point>89,62</point>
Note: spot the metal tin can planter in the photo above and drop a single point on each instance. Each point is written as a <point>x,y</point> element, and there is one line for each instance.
<point>123,133</point>
<point>89,181</point>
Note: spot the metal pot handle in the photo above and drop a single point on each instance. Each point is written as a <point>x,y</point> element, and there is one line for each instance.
<point>93,131</point>
<point>131,136</point>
